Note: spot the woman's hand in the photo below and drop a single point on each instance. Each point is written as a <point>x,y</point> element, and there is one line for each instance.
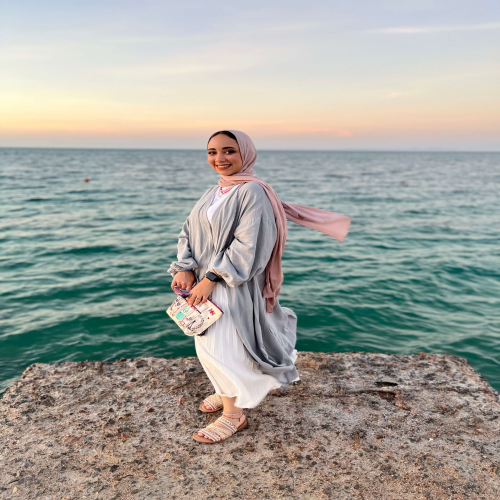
<point>183,280</point>
<point>199,294</point>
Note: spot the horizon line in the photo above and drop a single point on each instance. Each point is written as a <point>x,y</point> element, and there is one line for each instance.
<point>260,149</point>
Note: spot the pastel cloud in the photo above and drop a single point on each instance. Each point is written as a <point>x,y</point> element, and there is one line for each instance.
<point>408,30</point>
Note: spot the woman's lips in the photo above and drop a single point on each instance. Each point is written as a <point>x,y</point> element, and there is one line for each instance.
<point>223,167</point>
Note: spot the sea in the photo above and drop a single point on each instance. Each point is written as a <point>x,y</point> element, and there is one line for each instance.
<point>83,263</point>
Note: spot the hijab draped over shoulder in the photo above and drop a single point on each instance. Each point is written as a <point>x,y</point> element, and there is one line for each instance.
<point>330,223</point>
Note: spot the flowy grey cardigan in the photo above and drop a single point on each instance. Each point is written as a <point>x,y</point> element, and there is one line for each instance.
<point>237,246</point>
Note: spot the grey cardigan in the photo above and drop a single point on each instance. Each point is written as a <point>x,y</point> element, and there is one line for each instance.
<point>237,246</point>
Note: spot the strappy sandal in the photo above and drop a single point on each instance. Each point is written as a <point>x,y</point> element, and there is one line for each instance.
<point>220,433</point>
<point>215,403</point>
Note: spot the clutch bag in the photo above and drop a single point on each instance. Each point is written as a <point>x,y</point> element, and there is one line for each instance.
<point>193,320</point>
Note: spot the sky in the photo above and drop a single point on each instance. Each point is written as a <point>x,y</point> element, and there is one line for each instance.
<point>308,75</point>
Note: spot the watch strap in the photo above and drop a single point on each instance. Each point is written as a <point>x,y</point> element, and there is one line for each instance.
<point>212,276</point>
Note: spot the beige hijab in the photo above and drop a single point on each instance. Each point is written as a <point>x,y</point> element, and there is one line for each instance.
<point>330,223</point>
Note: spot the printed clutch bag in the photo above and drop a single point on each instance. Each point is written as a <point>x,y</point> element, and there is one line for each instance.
<point>193,320</point>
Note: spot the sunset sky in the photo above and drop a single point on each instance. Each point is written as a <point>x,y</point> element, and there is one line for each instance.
<point>307,74</point>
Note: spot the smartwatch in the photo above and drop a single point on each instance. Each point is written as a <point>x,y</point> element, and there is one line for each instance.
<point>213,277</point>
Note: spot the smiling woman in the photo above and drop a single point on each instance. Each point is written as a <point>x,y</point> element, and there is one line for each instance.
<point>232,244</point>
<point>223,154</point>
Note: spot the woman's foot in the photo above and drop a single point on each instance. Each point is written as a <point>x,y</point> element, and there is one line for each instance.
<point>237,419</point>
<point>212,403</point>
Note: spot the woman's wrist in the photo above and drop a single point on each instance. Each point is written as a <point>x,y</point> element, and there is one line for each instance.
<point>212,276</point>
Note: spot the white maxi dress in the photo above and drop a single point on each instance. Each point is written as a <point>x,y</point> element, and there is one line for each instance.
<point>222,354</point>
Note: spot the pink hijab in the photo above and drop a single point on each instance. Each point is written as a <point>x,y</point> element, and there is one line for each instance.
<point>329,223</point>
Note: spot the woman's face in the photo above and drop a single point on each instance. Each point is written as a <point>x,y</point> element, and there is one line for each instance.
<point>224,155</point>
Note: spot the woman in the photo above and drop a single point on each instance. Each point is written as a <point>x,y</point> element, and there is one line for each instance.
<point>231,244</point>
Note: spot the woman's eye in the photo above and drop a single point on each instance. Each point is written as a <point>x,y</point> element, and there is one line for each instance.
<point>230,152</point>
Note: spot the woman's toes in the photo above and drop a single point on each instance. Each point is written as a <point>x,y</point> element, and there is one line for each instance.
<point>203,435</point>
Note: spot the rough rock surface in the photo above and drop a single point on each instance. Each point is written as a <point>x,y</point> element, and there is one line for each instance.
<point>357,426</point>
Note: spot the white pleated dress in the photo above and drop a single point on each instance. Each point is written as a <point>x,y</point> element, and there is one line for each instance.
<point>221,352</point>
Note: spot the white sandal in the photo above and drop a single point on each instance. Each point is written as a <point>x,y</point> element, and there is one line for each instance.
<point>215,403</point>
<point>220,433</point>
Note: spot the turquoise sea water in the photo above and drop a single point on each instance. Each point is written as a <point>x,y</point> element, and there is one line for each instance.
<point>83,266</point>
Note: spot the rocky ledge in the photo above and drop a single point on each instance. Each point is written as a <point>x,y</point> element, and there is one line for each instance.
<point>357,426</point>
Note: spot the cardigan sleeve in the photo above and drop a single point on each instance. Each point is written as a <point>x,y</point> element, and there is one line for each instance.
<point>253,241</point>
<point>185,260</point>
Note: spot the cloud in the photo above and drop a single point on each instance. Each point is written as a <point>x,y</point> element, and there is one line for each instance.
<point>409,30</point>
<point>35,52</point>
<point>216,58</point>
<point>283,129</point>
<point>320,131</point>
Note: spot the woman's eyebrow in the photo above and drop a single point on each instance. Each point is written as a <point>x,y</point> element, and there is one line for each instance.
<point>226,147</point>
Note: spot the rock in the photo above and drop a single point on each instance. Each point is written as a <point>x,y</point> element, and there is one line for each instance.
<point>359,425</point>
